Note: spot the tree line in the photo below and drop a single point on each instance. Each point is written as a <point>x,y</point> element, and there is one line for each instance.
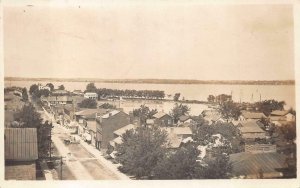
<point>143,94</point>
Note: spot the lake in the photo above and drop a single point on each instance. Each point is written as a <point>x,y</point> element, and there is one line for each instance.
<point>243,93</point>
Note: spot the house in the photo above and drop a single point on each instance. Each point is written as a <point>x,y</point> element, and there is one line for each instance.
<point>184,119</point>
<point>107,124</point>
<point>91,95</point>
<point>282,115</point>
<point>91,129</point>
<point>59,92</point>
<point>247,115</point>
<point>163,120</point>
<point>123,130</point>
<point>21,153</point>
<point>176,135</point>
<point>212,116</point>
<point>58,100</point>
<point>250,130</point>
<point>41,87</point>
<point>258,165</point>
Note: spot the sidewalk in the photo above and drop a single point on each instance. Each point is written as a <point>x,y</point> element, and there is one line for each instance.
<point>102,160</point>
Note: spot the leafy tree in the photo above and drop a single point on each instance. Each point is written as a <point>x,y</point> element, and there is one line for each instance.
<point>29,117</point>
<point>33,89</point>
<point>108,106</point>
<point>141,150</point>
<point>229,110</point>
<point>218,167</point>
<point>179,110</point>
<point>176,96</point>
<point>44,139</point>
<point>179,165</point>
<point>24,94</point>
<point>289,131</point>
<point>144,113</point>
<point>61,87</point>
<point>211,98</point>
<point>91,87</point>
<point>51,86</point>
<point>268,106</point>
<point>88,103</point>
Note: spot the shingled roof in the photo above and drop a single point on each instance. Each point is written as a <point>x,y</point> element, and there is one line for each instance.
<point>21,144</point>
<point>279,113</point>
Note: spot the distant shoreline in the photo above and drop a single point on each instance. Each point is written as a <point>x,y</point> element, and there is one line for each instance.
<point>157,81</point>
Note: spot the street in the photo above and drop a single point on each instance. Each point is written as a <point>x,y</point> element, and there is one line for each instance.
<point>82,160</point>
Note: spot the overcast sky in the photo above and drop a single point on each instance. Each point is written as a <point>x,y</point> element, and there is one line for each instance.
<point>205,42</point>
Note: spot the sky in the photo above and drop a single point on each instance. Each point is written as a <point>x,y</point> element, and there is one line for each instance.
<point>159,41</point>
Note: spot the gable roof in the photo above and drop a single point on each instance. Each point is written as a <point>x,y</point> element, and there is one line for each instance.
<point>122,130</point>
<point>250,127</point>
<point>279,113</point>
<point>59,98</point>
<point>253,115</point>
<point>249,164</point>
<point>21,144</point>
<point>184,118</point>
<point>159,115</point>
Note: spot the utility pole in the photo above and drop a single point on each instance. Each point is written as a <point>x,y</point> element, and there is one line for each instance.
<point>61,163</point>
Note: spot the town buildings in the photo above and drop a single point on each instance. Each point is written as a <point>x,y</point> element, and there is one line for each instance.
<point>90,95</point>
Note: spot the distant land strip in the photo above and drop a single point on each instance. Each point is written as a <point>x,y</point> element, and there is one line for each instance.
<point>157,81</point>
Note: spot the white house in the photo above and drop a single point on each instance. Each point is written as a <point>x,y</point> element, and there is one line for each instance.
<point>90,95</point>
<point>44,87</point>
<point>282,115</point>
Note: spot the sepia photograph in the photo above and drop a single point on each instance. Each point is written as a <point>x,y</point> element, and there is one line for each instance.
<point>155,90</point>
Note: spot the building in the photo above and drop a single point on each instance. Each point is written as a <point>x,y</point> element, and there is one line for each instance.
<point>250,130</point>
<point>123,130</point>
<point>212,116</point>
<point>184,119</point>
<point>90,95</point>
<point>44,87</point>
<point>59,92</point>
<point>247,165</point>
<point>58,100</point>
<point>176,135</point>
<point>163,120</point>
<point>247,115</point>
<point>21,153</point>
<point>78,92</point>
<point>282,115</point>
<point>107,124</point>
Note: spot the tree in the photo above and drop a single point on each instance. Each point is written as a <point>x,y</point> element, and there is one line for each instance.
<point>29,117</point>
<point>179,165</point>
<point>24,94</point>
<point>289,131</point>
<point>223,98</point>
<point>33,89</point>
<point>211,98</point>
<point>91,87</point>
<point>141,150</point>
<point>144,113</point>
<point>51,86</point>
<point>108,106</point>
<point>267,106</point>
<point>179,110</point>
<point>88,103</point>
<point>44,139</point>
<point>176,96</point>
<point>218,167</point>
<point>61,87</point>
<point>229,110</point>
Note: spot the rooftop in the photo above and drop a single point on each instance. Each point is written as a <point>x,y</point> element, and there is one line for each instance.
<point>122,130</point>
<point>250,127</point>
<point>111,113</point>
<point>253,115</point>
<point>21,144</point>
<point>279,113</point>
<point>249,164</point>
<point>159,115</point>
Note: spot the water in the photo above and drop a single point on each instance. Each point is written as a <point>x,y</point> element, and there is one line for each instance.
<point>244,93</point>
